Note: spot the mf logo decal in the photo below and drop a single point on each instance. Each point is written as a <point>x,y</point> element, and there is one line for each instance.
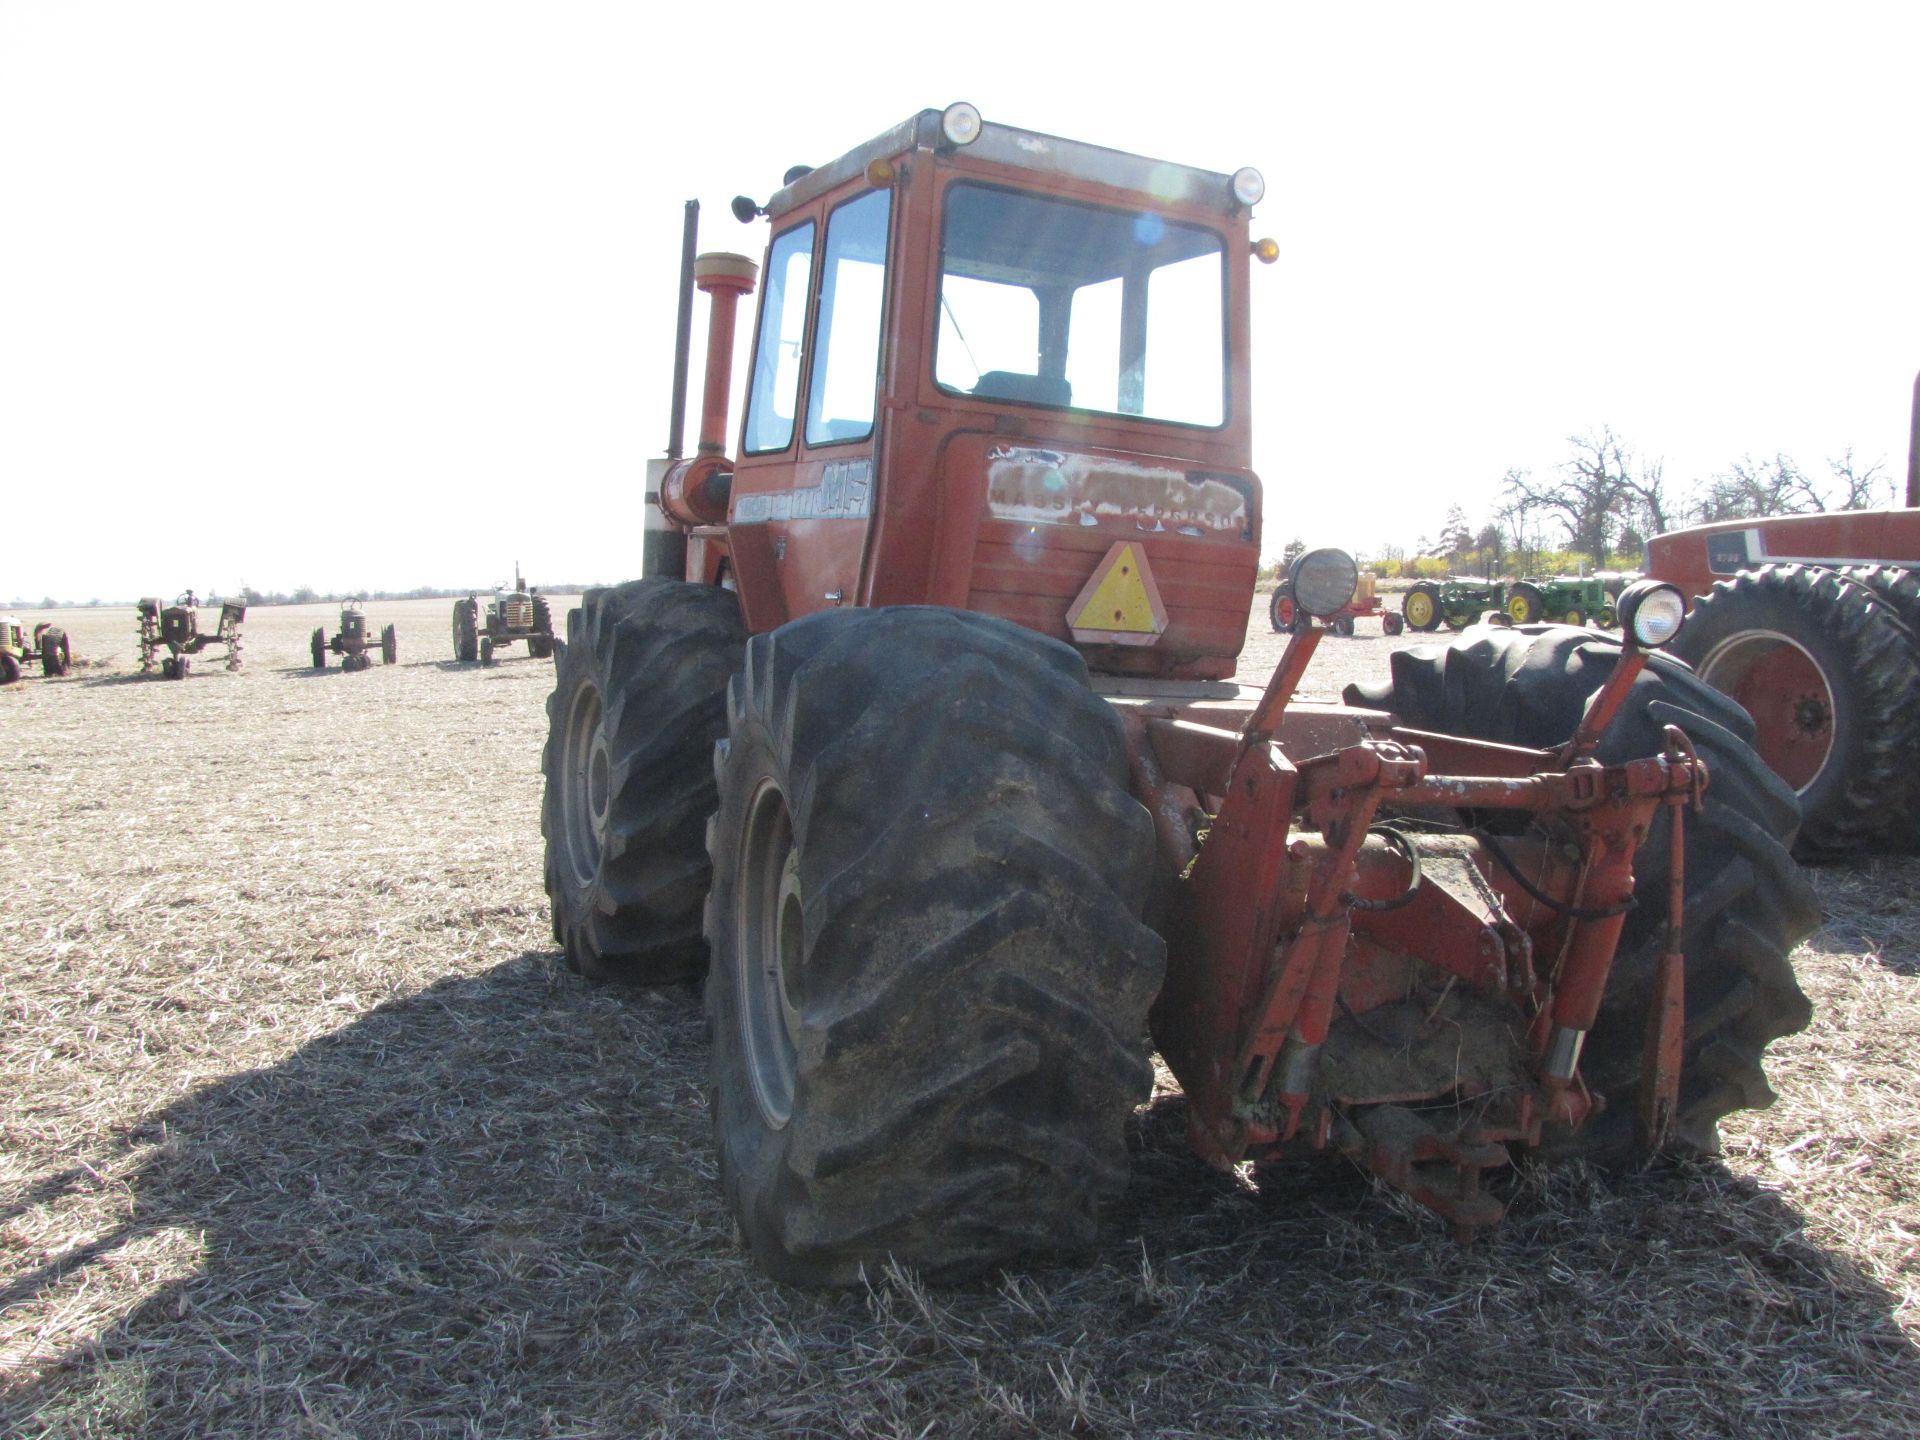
<point>845,492</point>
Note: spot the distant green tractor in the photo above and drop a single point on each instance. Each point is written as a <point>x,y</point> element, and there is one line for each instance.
<point>1570,600</point>
<point>1451,602</point>
<point>1456,603</point>
<point>48,645</point>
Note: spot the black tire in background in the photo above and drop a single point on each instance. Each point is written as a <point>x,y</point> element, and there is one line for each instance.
<point>1747,902</point>
<point>930,981</point>
<point>1280,609</point>
<point>486,650</point>
<point>639,699</point>
<point>56,652</point>
<point>9,668</point>
<point>1831,677</point>
<point>389,646</point>
<point>466,631</point>
<point>317,644</point>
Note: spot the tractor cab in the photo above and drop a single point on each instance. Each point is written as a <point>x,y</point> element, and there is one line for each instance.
<point>1055,429</point>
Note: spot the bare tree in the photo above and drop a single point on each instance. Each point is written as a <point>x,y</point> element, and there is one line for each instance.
<point>1585,494</point>
<point>1649,496</point>
<point>1771,487</point>
<point>1859,489</point>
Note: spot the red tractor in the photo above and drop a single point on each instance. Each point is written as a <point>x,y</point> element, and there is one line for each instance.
<point>917,740</point>
<point>1812,622</point>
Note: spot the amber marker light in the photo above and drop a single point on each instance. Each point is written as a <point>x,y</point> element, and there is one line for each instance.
<point>880,173</point>
<point>1266,251</point>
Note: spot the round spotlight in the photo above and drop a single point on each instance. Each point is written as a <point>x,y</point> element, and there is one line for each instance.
<point>1324,581</point>
<point>960,123</point>
<point>1651,612</point>
<point>1249,187</point>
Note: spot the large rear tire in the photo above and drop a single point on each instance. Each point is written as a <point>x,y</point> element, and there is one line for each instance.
<point>56,652</point>
<point>1748,903</point>
<point>9,668</point>
<point>1831,677</point>
<point>1526,603</point>
<point>1281,611</point>
<point>639,698</point>
<point>1420,608</point>
<point>466,630</point>
<point>930,982</point>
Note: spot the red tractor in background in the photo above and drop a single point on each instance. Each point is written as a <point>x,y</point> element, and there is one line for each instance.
<point>917,740</point>
<point>1283,614</point>
<point>1811,623</point>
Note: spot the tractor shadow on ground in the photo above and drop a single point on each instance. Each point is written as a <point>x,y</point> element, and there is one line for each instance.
<point>490,1207</point>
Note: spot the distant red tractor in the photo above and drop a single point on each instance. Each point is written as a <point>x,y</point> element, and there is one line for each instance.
<point>1283,614</point>
<point>1810,622</point>
<point>352,642</point>
<point>917,741</point>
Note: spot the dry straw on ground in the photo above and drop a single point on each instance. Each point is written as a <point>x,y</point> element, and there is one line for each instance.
<point>303,1132</point>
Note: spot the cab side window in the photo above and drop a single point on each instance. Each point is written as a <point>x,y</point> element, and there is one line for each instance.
<point>853,275</point>
<point>773,395</point>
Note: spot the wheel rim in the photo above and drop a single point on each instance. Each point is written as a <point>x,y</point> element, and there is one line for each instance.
<point>1574,617</point>
<point>1283,613</point>
<point>586,792</point>
<point>767,958</point>
<point>1419,609</point>
<point>1783,687</point>
<point>1520,608</point>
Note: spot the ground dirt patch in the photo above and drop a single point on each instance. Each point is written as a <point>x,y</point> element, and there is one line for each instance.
<point>303,1131</point>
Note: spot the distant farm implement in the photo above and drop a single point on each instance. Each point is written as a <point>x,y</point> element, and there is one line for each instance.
<point>176,630</point>
<point>352,644</point>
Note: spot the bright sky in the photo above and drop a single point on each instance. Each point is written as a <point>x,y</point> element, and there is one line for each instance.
<point>381,294</point>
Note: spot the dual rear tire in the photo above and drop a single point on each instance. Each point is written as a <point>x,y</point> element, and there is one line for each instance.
<point>920,884</point>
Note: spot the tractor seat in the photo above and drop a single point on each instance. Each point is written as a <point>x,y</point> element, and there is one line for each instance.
<point>1033,389</point>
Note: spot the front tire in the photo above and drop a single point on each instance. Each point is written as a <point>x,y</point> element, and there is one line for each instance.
<point>1747,903</point>
<point>930,982</point>
<point>639,698</point>
<point>317,645</point>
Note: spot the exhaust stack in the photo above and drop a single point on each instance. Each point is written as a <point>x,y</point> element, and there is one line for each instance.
<point>695,492</point>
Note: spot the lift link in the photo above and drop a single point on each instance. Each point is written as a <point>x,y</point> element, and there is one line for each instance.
<point>1659,1097</point>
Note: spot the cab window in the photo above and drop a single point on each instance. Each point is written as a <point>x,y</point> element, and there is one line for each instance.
<point>1053,302</point>
<point>773,394</point>
<point>853,273</point>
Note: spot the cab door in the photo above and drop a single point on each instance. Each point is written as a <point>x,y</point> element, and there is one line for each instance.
<point>805,514</point>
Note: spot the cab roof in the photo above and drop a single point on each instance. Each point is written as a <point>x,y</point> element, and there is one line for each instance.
<point>1022,149</point>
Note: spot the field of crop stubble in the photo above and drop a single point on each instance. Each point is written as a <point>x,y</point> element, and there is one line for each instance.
<point>305,1132</point>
